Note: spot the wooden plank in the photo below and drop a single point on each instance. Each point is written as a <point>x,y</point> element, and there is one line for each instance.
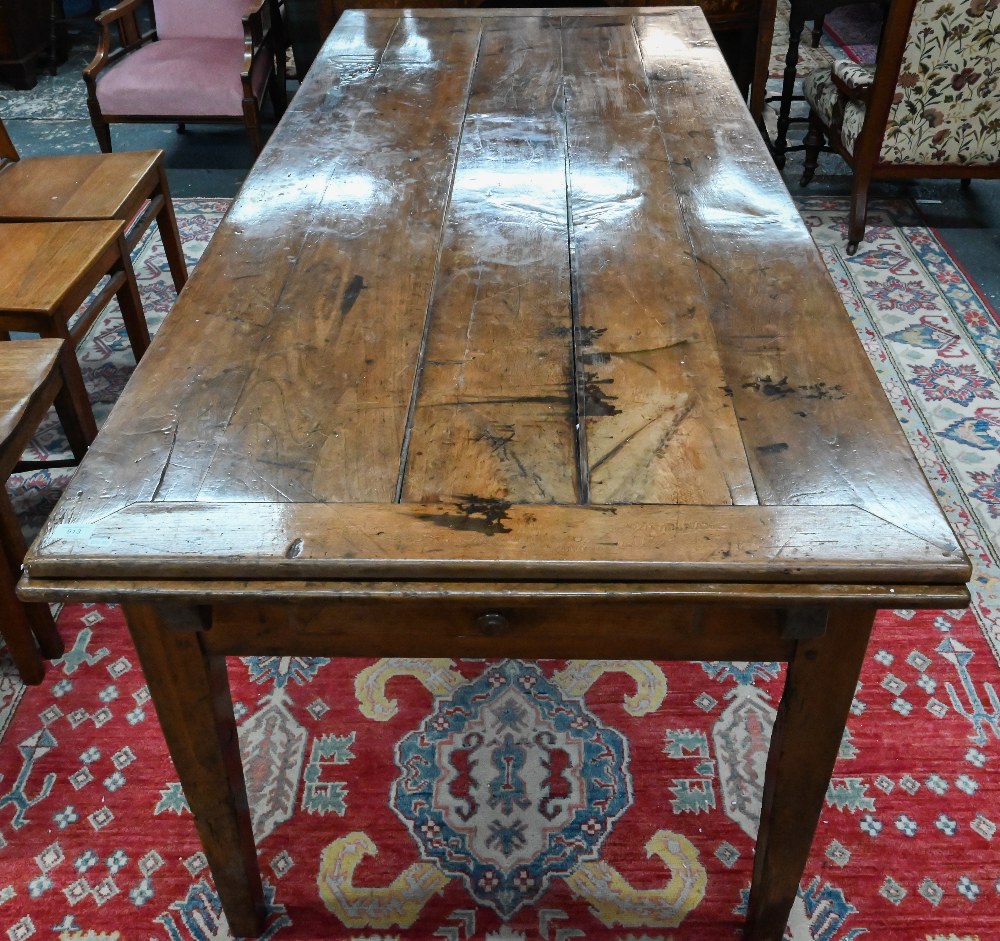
<point>322,415</point>
<point>659,425</point>
<point>816,422</point>
<point>495,410</point>
<point>494,539</point>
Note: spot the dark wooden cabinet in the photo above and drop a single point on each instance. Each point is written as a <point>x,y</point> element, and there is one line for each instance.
<point>733,22</point>
<point>24,37</point>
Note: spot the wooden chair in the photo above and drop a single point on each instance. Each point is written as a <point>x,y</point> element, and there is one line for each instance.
<point>34,375</point>
<point>929,107</point>
<point>130,186</point>
<point>49,270</point>
<point>196,62</point>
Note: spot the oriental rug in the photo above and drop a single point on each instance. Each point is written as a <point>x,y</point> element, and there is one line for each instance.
<point>507,801</point>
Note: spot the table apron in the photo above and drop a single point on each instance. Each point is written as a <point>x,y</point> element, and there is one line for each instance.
<point>588,630</point>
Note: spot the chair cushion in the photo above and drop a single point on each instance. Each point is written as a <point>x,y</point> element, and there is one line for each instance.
<point>843,116</point>
<point>198,19</point>
<point>179,77</point>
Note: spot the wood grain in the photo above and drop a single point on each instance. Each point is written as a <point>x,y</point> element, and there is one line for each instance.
<point>513,344</point>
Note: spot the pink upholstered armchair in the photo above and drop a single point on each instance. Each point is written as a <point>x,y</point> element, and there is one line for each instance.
<point>186,61</point>
<point>929,107</point>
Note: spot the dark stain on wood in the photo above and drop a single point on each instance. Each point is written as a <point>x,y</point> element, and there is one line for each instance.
<point>775,448</point>
<point>351,294</point>
<point>599,402</point>
<point>820,390</point>
<point>484,515</point>
<point>771,387</point>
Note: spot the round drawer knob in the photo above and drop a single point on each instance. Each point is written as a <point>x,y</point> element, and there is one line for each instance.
<point>493,623</point>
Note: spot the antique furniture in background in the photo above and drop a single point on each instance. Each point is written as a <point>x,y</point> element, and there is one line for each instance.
<point>734,24</point>
<point>34,375</point>
<point>800,12</point>
<point>511,346</point>
<point>186,61</point>
<point>24,38</point>
<point>930,107</point>
<point>130,186</point>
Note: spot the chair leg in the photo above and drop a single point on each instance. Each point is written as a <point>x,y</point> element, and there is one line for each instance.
<point>813,142</point>
<point>859,208</point>
<point>17,633</point>
<point>131,304</point>
<point>102,130</point>
<point>22,623</point>
<point>166,222</point>
<point>73,405</point>
<point>251,118</point>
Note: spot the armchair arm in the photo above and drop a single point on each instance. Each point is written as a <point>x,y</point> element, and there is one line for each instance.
<point>264,50</point>
<point>129,36</point>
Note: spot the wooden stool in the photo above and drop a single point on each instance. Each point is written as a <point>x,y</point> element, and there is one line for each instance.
<point>129,186</point>
<point>34,374</point>
<point>49,270</point>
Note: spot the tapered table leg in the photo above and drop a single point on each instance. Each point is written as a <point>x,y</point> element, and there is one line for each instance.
<point>819,688</point>
<point>190,690</point>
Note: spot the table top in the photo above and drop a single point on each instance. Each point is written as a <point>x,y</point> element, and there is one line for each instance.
<point>511,295</point>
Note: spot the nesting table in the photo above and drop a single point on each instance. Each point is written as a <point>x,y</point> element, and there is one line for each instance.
<point>512,345</point>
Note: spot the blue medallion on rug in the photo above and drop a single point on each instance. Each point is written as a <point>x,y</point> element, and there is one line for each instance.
<point>509,782</point>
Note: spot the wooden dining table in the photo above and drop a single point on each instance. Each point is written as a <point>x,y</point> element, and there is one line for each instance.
<point>513,344</point>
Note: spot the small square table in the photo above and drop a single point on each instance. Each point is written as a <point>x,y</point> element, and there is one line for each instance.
<point>513,345</point>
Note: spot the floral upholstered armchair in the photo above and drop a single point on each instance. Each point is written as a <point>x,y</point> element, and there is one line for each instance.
<point>929,107</point>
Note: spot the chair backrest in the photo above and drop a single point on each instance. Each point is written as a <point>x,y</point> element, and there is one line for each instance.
<point>945,106</point>
<point>200,19</point>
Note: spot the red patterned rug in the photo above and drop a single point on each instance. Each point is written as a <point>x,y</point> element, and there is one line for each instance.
<point>424,799</point>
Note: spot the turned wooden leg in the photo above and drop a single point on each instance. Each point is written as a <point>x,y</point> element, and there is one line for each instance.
<point>813,142</point>
<point>190,690</point>
<point>819,688</point>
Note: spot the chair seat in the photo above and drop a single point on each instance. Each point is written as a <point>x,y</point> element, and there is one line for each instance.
<point>79,186</point>
<point>179,77</point>
<point>42,262</point>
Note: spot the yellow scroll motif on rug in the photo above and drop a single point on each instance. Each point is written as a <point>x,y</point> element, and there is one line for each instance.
<point>615,902</point>
<point>650,683</point>
<point>398,903</point>
<point>436,673</point>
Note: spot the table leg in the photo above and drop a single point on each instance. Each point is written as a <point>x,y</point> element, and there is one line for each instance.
<point>190,690</point>
<point>819,688</point>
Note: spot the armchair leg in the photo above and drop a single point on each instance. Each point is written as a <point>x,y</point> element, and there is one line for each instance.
<point>251,118</point>
<point>859,208</point>
<point>103,132</point>
<point>813,143</point>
